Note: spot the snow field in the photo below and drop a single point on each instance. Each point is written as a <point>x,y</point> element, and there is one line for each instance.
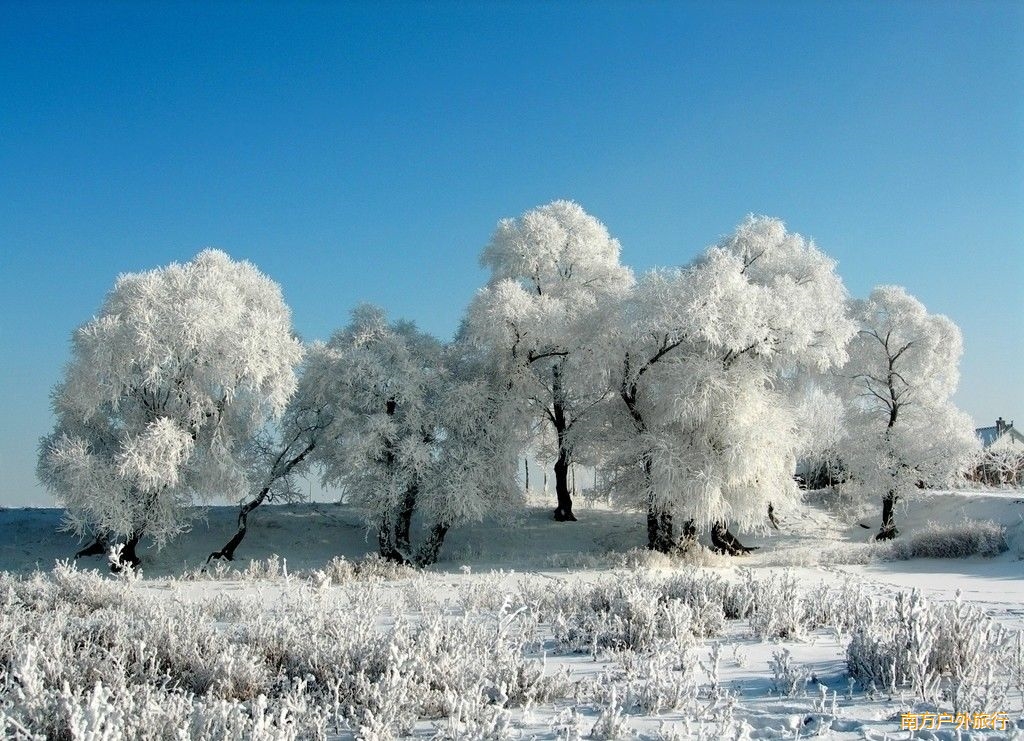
<point>377,652</point>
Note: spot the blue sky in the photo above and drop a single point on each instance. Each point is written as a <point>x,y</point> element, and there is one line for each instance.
<point>364,152</point>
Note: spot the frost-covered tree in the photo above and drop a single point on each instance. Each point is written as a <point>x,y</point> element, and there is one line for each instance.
<point>708,434</point>
<point>821,425</point>
<point>383,379</point>
<point>166,389</point>
<point>283,452</point>
<point>406,434</point>
<point>904,431</point>
<point>554,271</point>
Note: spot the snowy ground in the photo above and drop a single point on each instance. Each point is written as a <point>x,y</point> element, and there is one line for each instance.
<point>520,578</point>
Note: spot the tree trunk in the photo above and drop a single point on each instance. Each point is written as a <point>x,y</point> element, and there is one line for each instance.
<point>228,551</point>
<point>98,547</point>
<point>725,542</point>
<point>404,524</point>
<point>431,547</point>
<point>129,554</point>
<point>771,516</point>
<point>660,535</point>
<point>659,522</point>
<point>653,527</point>
<point>279,470</point>
<point>386,543</point>
<point>888,530</point>
<point>563,512</point>
<point>687,536</point>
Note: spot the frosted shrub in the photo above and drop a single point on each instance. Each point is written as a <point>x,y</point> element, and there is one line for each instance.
<point>788,678</point>
<point>337,571</point>
<point>893,647</point>
<point>710,598</point>
<point>968,538</point>
<point>948,652</point>
<point>271,568</point>
<point>778,609</point>
<point>969,648</point>
<point>144,667</point>
<point>611,724</point>
<point>835,607</point>
<point>628,615</point>
<point>663,679</point>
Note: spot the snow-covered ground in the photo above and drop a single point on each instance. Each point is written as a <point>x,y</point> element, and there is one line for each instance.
<point>608,637</point>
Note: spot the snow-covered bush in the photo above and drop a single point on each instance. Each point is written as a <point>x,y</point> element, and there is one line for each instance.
<point>940,652</point>
<point>84,655</point>
<point>788,677</point>
<point>997,468</point>
<point>777,607</point>
<point>611,724</point>
<point>959,540</point>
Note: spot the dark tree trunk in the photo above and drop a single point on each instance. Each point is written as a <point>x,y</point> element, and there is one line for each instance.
<point>687,536</point>
<point>129,554</point>
<point>228,551</point>
<point>98,547</point>
<point>653,527</point>
<point>725,542</point>
<point>279,470</point>
<point>431,547</point>
<point>386,543</point>
<point>659,522</point>
<point>404,524</point>
<point>563,512</point>
<point>888,530</point>
<point>660,536</point>
<point>771,516</point>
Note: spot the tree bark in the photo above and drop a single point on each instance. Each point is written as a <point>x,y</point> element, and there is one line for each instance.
<point>563,512</point>
<point>888,530</point>
<point>688,535</point>
<point>386,542</point>
<point>725,542</point>
<point>98,547</point>
<point>228,551</point>
<point>404,524</point>
<point>431,547</point>
<point>278,471</point>
<point>660,535</point>
<point>129,554</point>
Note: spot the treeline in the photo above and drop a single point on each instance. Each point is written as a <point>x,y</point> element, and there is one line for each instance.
<point>695,389</point>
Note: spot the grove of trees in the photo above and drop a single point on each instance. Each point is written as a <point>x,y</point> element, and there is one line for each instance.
<point>695,389</point>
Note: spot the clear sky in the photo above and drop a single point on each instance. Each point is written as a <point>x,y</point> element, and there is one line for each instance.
<point>364,152</point>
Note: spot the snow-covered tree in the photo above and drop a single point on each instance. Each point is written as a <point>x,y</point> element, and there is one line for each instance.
<point>167,387</point>
<point>554,271</point>
<point>904,431</point>
<point>405,434</point>
<point>283,452</point>
<point>821,424</point>
<point>706,432</point>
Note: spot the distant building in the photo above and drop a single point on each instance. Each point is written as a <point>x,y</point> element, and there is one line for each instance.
<point>1002,437</point>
